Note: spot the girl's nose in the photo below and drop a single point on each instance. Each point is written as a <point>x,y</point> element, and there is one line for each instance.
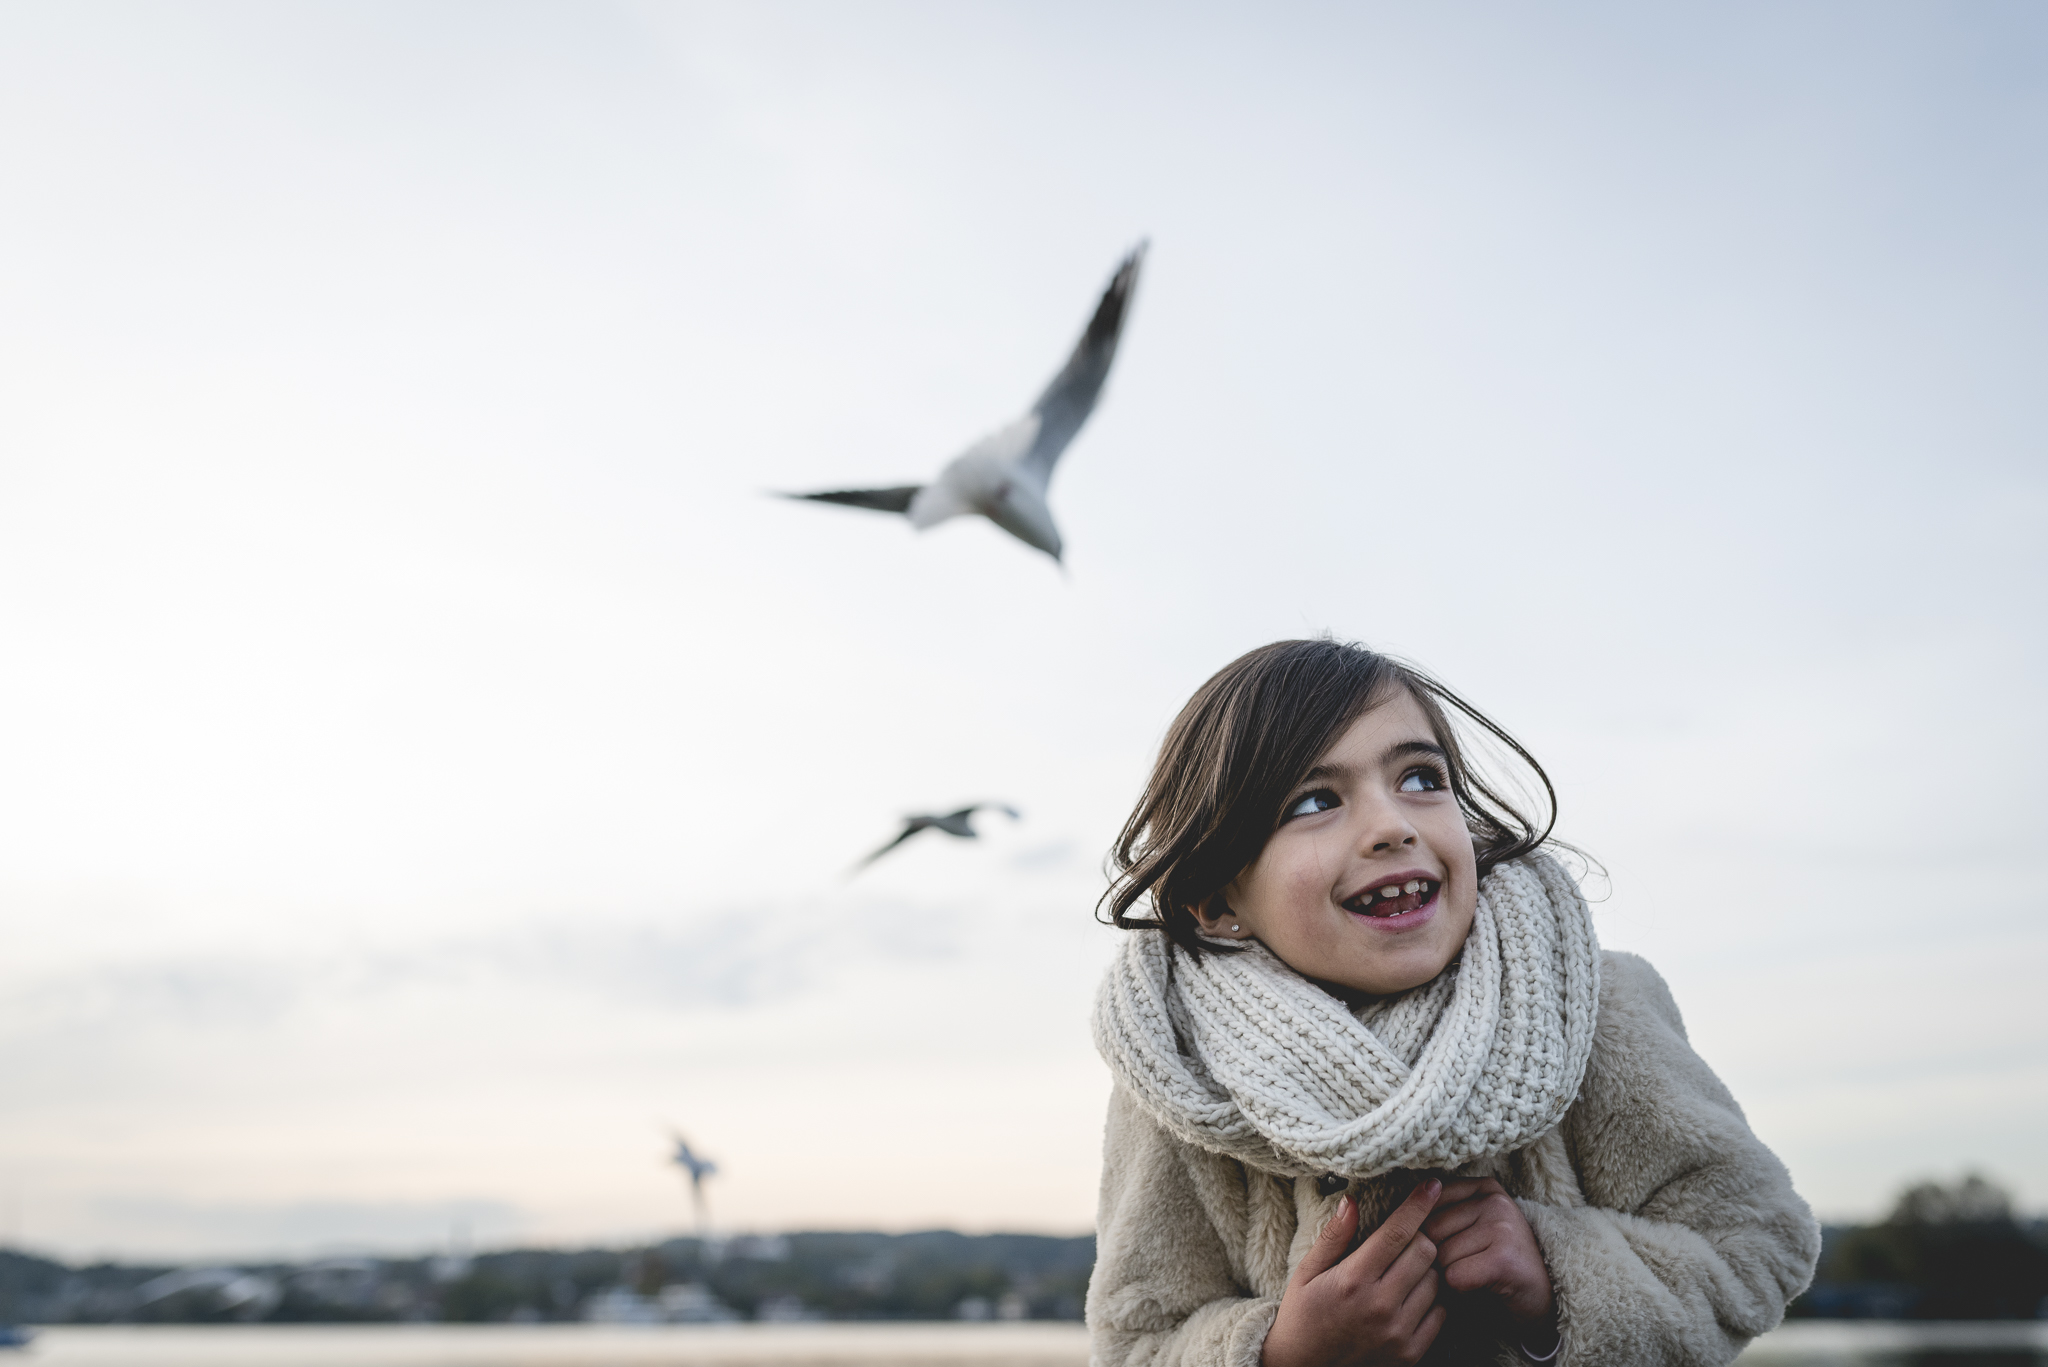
<point>1386,827</point>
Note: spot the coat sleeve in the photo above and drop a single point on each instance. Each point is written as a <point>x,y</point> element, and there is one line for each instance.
<point>1692,1241</point>
<point>1164,1292</point>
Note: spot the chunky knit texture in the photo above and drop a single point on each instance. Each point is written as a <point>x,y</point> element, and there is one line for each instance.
<point>1671,1234</point>
<point>1240,1055</point>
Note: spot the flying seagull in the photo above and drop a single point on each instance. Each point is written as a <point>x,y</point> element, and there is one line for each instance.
<point>1004,476</point>
<point>952,823</point>
<point>698,1169</point>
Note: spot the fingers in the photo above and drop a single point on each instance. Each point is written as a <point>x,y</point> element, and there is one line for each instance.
<point>1463,1246</point>
<point>1465,1188</point>
<point>1447,1220</point>
<point>1488,1226</point>
<point>1486,1209</point>
<point>1465,1201</point>
<point>1426,1332</point>
<point>1416,1305</point>
<point>1328,1249</point>
<point>1470,1271</point>
<point>1392,1239</point>
<point>1415,1265</point>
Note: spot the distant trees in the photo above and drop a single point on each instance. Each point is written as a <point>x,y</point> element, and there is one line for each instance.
<point>1950,1252</point>
<point>1946,1251</point>
<point>26,1283</point>
<point>932,1275</point>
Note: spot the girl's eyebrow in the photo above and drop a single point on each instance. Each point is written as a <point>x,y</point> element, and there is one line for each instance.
<point>1398,750</point>
<point>1413,747</point>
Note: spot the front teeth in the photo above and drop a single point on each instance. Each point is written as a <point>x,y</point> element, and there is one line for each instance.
<point>1379,896</point>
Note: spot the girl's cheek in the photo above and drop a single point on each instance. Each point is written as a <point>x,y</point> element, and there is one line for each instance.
<point>1306,878</point>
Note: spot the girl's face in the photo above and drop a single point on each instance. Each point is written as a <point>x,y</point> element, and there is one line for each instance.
<point>1375,816</point>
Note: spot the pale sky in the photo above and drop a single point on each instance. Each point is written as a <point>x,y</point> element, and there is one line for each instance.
<point>429,763</point>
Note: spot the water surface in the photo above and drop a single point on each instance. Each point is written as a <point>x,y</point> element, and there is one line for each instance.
<point>1806,1344</point>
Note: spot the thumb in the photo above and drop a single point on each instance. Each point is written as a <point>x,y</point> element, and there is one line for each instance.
<point>1332,1244</point>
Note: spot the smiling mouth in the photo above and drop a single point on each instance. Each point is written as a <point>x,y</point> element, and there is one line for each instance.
<point>1395,899</point>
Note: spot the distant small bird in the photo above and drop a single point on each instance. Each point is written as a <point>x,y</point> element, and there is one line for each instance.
<point>698,1169</point>
<point>952,823</point>
<point>1004,476</point>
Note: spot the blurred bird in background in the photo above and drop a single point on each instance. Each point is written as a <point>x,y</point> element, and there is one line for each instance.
<point>952,823</point>
<point>1004,476</point>
<point>698,1169</point>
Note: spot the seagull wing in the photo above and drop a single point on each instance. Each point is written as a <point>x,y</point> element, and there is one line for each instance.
<point>910,828</point>
<point>698,1168</point>
<point>959,823</point>
<point>956,823</point>
<point>1070,398</point>
<point>896,500</point>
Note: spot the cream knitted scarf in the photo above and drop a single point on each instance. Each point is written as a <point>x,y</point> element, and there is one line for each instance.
<point>1241,1055</point>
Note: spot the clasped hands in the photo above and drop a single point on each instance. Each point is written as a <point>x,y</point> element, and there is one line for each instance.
<point>1378,1306</point>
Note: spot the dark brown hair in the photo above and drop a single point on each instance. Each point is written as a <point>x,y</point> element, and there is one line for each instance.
<point>1241,745</point>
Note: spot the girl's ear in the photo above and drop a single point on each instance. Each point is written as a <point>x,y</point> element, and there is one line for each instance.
<point>1219,920</point>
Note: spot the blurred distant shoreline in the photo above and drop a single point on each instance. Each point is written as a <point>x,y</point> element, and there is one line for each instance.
<point>781,1278</point>
<point>1886,1271</point>
<point>1948,1252</point>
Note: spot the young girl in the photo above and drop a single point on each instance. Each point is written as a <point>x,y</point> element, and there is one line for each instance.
<point>1379,1096</point>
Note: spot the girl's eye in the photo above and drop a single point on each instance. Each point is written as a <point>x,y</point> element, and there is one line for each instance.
<point>1308,804</point>
<point>1422,781</point>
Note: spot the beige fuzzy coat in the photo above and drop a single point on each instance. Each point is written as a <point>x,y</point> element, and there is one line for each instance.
<point>1671,1234</point>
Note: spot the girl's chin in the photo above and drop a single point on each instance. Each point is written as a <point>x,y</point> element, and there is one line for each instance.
<point>1384,977</point>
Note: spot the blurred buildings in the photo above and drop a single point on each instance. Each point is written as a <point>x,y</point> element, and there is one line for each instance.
<point>1947,1251</point>
<point>936,1275</point>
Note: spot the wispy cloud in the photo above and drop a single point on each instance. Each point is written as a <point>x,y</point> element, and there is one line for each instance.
<point>733,958</point>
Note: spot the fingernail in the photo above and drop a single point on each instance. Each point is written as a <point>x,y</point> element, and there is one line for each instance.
<point>1436,1188</point>
<point>1344,1205</point>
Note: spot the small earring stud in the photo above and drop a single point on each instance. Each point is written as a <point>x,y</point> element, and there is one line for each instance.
<point>1233,927</point>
